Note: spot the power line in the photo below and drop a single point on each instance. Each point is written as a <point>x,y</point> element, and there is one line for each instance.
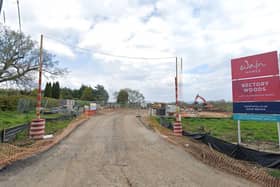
<point>1,4</point>
<point>4,17</point>
<point>105,53</point>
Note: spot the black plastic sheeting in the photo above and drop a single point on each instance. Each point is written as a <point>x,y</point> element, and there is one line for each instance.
<point>265,159</point>
<point>270,160</point>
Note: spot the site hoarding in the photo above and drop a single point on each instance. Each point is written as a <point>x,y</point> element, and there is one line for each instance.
<point>255,66</point>
<point>256,87</point>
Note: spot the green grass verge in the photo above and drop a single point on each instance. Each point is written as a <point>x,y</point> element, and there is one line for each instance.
<point>226,129</point>
<point>11,119</point>
<point>275,173</point>
<point>55,127</point>
<point>50,128</point>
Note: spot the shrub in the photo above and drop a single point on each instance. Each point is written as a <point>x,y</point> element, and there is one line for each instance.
<point>9,103</point>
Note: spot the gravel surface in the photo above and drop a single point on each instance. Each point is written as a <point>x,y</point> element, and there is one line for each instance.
<point>115,150</point>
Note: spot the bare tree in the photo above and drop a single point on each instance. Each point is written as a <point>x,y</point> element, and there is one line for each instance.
<point>135,97</point>
<point>19,59</point>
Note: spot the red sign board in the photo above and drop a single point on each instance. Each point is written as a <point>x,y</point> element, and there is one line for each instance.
<point>255,66</point>
<point>258,89</point>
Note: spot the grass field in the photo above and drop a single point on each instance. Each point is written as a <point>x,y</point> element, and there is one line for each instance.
<point>275,173</point>
<point>226,129</point>
<point>50,128</point>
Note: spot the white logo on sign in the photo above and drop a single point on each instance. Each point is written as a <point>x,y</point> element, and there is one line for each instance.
<point>251,67</point>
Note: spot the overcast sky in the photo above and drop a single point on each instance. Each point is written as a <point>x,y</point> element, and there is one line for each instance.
<point>206,34</point>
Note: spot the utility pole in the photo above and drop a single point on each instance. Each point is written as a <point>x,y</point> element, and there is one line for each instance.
<point>39,96</point>
<point>19,17</point>
<point>37,126</point>
<point>181,81</point>
<point>177,126</point>
<point>176,82</point>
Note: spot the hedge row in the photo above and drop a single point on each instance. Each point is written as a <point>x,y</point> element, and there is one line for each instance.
<point>23,103</point>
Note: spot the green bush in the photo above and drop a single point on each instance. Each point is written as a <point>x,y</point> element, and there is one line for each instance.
<point>9,103</point>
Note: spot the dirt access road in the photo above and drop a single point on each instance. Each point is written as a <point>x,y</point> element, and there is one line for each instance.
<point>115,150</point>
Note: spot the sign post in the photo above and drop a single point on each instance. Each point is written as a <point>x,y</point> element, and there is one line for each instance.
<point>238,131</point>
<point>278,129</point>
<point>256,89</point>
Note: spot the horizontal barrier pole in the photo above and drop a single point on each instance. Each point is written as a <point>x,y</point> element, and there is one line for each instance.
<point>9,134</point>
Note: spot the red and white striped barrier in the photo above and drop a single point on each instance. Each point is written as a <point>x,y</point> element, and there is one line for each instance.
<point>37,129</point>
<point>177,128</point>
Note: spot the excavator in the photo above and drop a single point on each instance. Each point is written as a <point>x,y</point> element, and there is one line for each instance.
<point>204,106</point>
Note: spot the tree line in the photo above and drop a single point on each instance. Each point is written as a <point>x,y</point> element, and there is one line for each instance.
<point>52,90</point>
<point>87,93</point>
